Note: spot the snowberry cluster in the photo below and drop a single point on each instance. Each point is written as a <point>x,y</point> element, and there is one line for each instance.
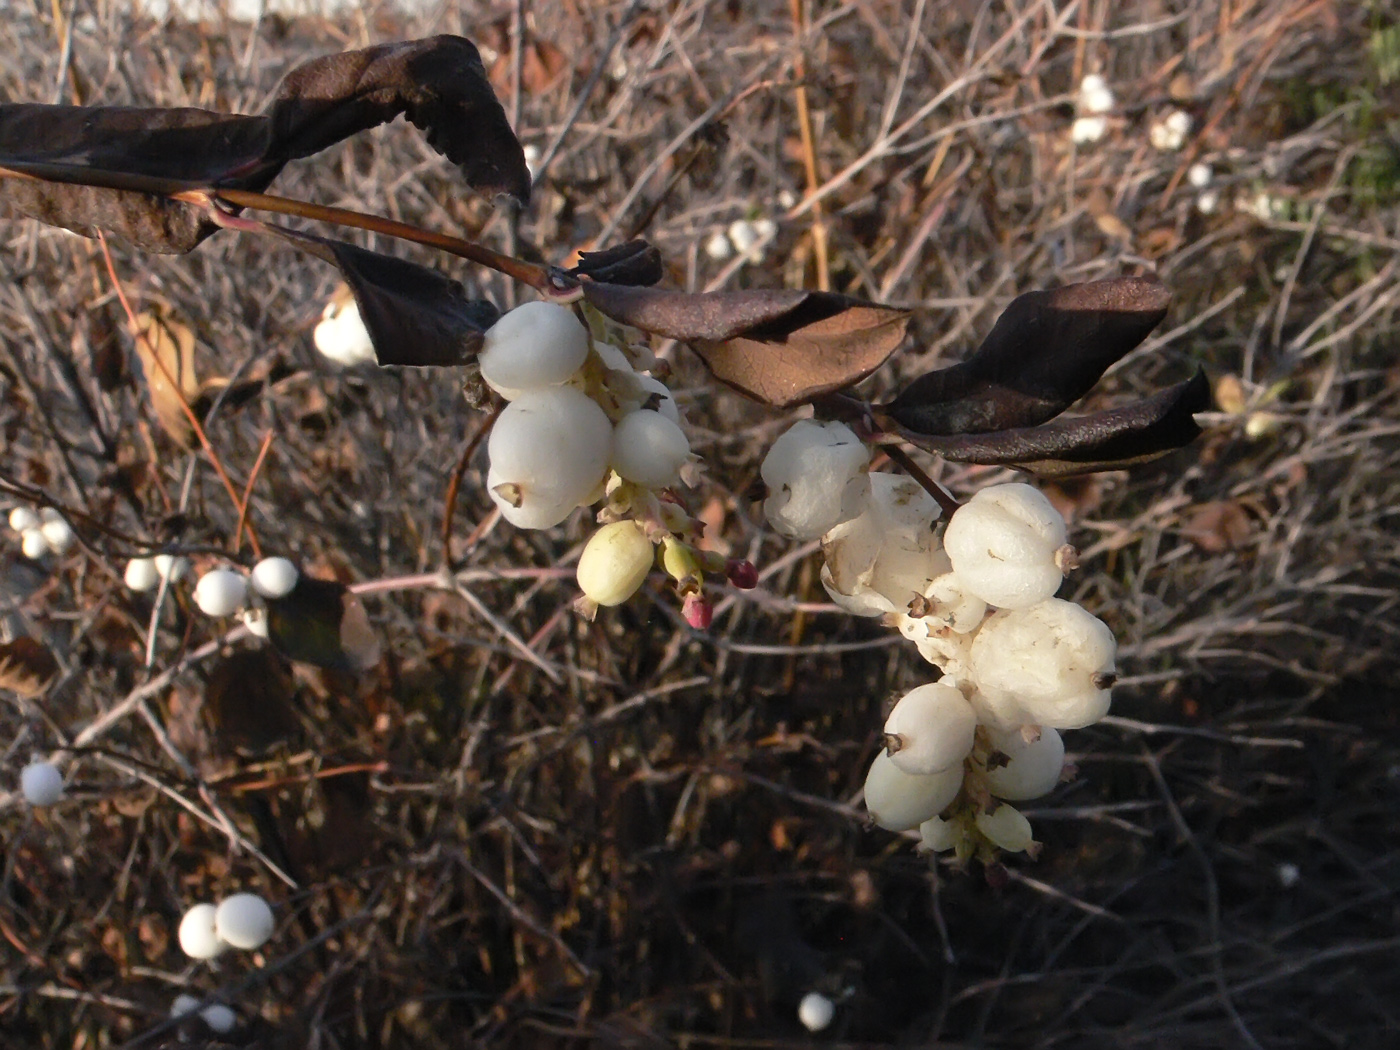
<point>222,591</point>
<point>41,532</point>
<point>242,921</point>
<point>587,421</point>
<point>1018,665</point>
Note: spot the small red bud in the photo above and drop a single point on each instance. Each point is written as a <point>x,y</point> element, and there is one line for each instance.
<point>698,612</point>
<point>742,574</point>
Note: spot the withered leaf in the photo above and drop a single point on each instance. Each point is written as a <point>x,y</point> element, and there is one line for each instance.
<point>165,346</point>
<point>414,315</point>
<point>109,167</point>
<point>320,622</point>
<point>1045,352</point>
<point>635,262</point>
<point>781,347</point>
<point>1218,526</point>
<point>249,701</point>
<point>26,667</point>
<point>1110,440</point>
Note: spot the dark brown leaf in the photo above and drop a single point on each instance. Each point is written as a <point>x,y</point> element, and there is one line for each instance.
<point>1120,437</point>
<point>26,667</point>
<point>781,347</point>
<point>249,701</point>
<point>108,167</point>
<point>1044,353</point>
<point>414,315</point>
<point>320,622</point>
<point>635,262</point>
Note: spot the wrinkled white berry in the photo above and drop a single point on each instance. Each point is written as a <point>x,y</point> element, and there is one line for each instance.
<point>244,921</point>
<point>815,1011</point>
<point>649,449</point>
<point>221,592</point>
<point>930,729</point>
<point>1002,545</point>
<point>535,345</point>
<point>899,801</point>
<point>877,562</point>
<point>548,450</point>
<point>1033,767</point>
<point>273,578</point>
<point>816,478</point>
<point>198,938</point>
<point>615,562</point>
<point>41,783</point>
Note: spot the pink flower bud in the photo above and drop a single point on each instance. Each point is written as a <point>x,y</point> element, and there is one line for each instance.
<point>698,612</point>
<point>742,574</point>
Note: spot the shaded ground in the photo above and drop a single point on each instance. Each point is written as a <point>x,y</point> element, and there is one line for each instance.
<point>654,844</point>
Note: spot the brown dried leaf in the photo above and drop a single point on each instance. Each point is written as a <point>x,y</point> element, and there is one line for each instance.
<point>320,622</point>
<point>26,667</point>
<point>1218,526</point>
<point>166,349</point>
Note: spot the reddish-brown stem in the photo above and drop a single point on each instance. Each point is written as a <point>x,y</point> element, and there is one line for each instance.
<point>455,483</point>
<point>248,491</point>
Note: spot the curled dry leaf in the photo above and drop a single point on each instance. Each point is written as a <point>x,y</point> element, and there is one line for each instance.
<point>320,622</point>
<point>781,347</point>
<point>26,666</point>
<point>165,346</point>
<point>109,168</point>
<point>1045,352</point>
<point>1110,440</point>
<point>1218,526</point>
<point>636,263</point>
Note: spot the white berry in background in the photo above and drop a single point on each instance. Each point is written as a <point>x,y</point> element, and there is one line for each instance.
<point>1095,96</point>
<point>815,1011</point>
<point>184,1005</point>
<point>1086,130</point>
<point>666,402</point>
<point>1003,544</point>
<point>548,450</point>
<point>816,478</point>
<point>273,578</point>
<point>718,246</point>
<point>937,835</point>
<point>141,574</point>
<point>1034,765</point>
<point>649,449</point>
<point>33,544</point>
<point>615,562</point>
<point>197,935</point>
<point>342,337</point>
<point>879,561</point>
<point>58,534</point>
<point>22,519</point>
<point>221,592</point>
<point>535,345</point>
<point>41,783</point>
<point>219,1018</point>
<point>1007,828</point>
<point>1169,133</point>
<point>1049,665</point>
<point>172,567</point>
<point>900,801</point>
<point>255,620</point>
<point>930,730</point>
<point>244,921</point>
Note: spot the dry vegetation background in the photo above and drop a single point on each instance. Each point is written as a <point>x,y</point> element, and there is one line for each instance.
<point>646,837</point>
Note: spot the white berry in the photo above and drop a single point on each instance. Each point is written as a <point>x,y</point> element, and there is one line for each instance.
<point>141,574</point>
<point>172,567</point>
<point>219,1018</point>
<point>1034,765</point>
<point>221,592</point>
<point>535,345</point>
<point>615,562</point>
<point>22,519</point>
<point>198,938</point>
<point>244,921</point>
<point>877,562</point>
<point>899,801</point>
<point>649,449</point>
<point>930,729</point>
<point>273,578</point>
<point>1002,544</point>
<point>342,336</point>
<point>815,1011</point>
<point>1007,828</point>
<point>816,478</point>
<point>548,450</point>
<point>32,542</point>
<point>41,783</point>
<point>937,835</point>
<point>255,620</point>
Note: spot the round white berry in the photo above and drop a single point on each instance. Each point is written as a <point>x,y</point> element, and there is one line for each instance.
<point>666,401</point>
<point>22,519</point>
<point>184,1005</point>
<point>41,783</point>
<point>615,561</point>
<point>1033,766</point>
<point>1002,544</point>
<point>1006,827</point>
<point>141,574</point>
<point>877,562</point>
<point>649,449</point>
<point>273,578</point>
<point>221,592</point>
<point>219,1018</point>
<point>58,534</point>
<point>815,1011</point>
<point>899,801</point>
<point>953,605</point>
<point>937,835</point>
<point>816,478</point>
<point>535,345</point>
<point>1049,665</point>
<point>244,921</point>
<point>342,337</point>
<point>172,567</point>
<point>33,544</point>
<point>930,729</point>
<point>198,937</point>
